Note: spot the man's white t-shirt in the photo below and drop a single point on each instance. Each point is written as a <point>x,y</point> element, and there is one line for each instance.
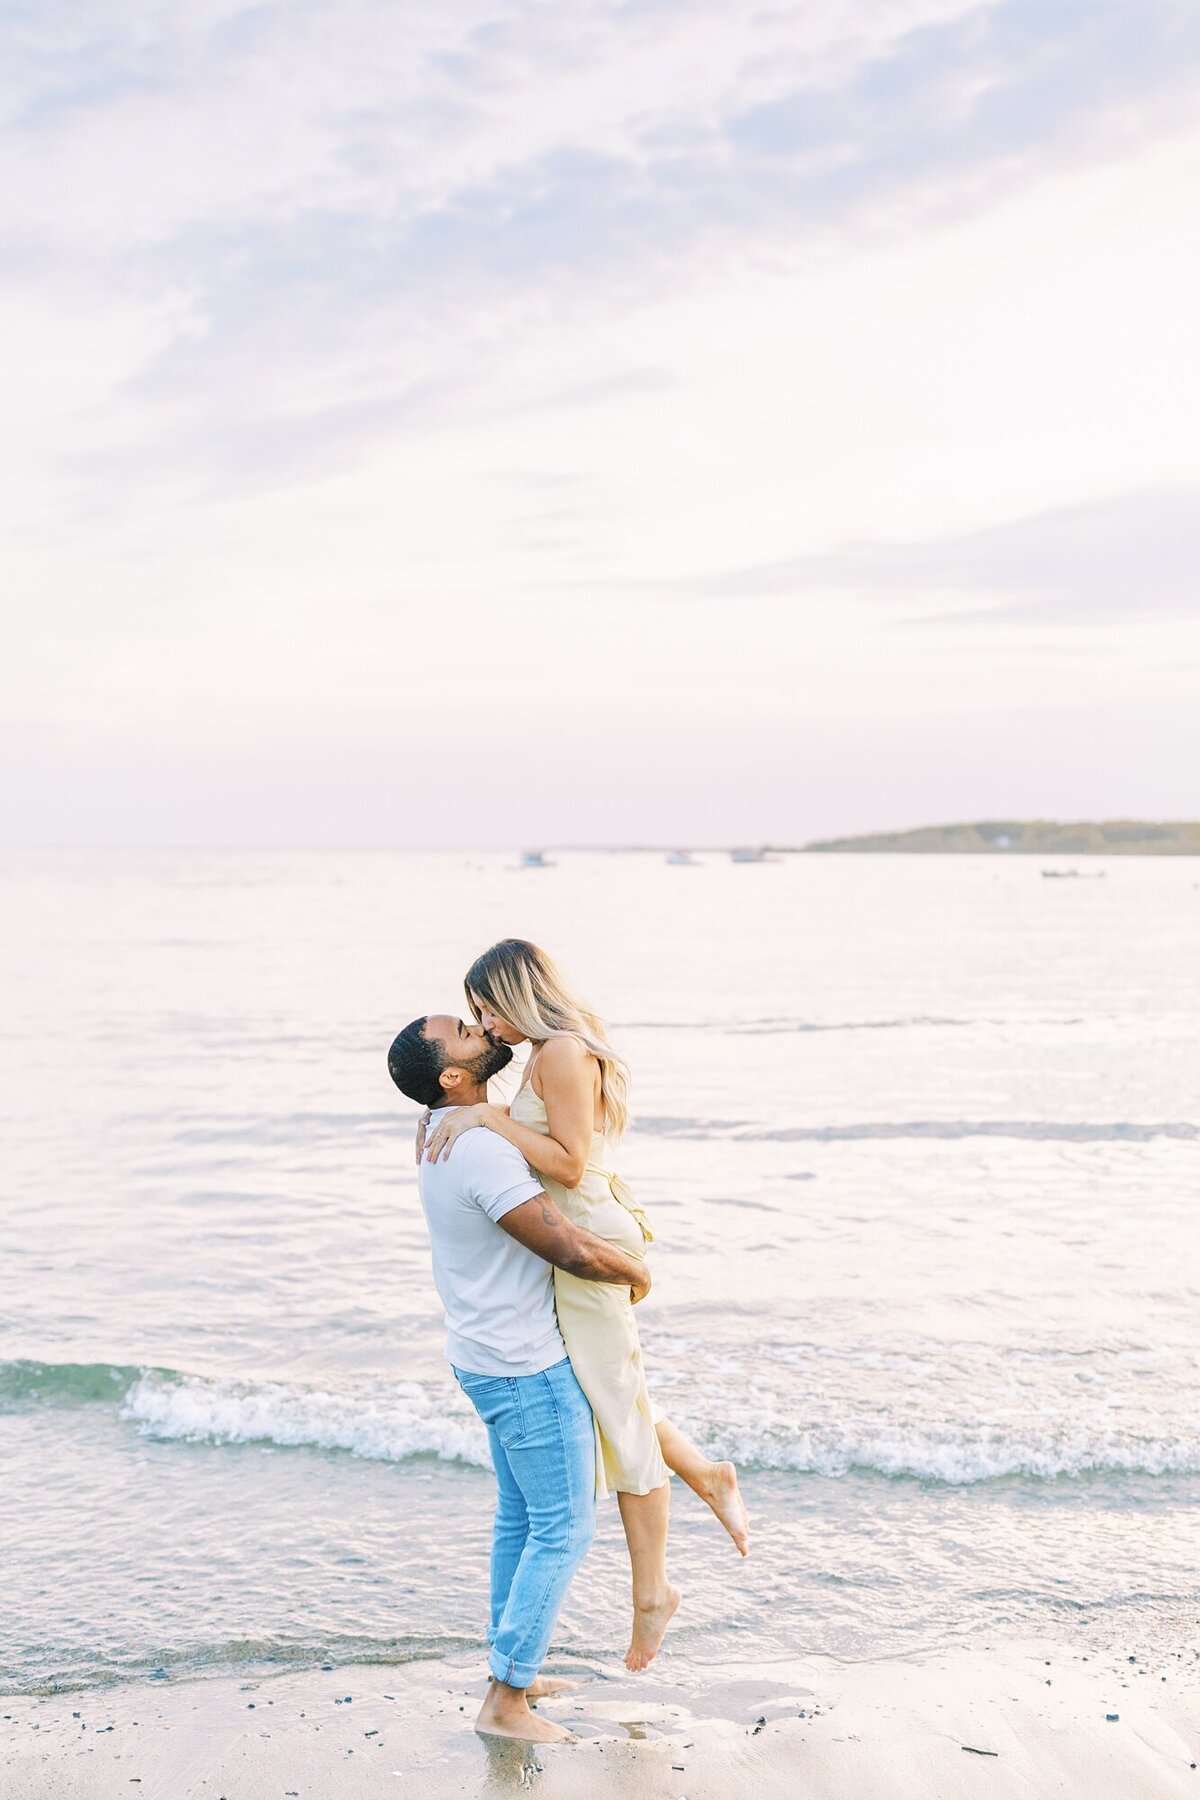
<point>498,1296</point>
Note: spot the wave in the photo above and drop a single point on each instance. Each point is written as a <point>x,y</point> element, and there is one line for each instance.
<point>284,1128</point>
<point>769,1027</point>
<point>1038,1130</point>
<point>383,1421</point>
<point>390,1421</point>
<point>318,1128</point>
<point>25,1383</point>
<point>963,1459</point>
<point>45,1673</point>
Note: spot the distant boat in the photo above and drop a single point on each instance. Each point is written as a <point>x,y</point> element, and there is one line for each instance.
<point>1073,875</point>
<point>750,856</point>
<point>682,859</point>
<point>534,859</point>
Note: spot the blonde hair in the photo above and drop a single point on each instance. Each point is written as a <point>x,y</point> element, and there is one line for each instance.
<point>521,983</point>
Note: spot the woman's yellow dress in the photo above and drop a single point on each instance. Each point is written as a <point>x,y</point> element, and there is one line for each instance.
<point>597,1321</point>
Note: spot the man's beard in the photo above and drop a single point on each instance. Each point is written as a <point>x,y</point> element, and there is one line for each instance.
<point>489,1062</point>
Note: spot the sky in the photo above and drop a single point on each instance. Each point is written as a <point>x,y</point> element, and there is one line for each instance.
<point>591,421</point>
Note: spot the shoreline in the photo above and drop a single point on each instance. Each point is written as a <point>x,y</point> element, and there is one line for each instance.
<point>1010,1717</point>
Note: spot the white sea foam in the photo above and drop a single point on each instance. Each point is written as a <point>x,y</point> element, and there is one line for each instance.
<point>389,1422</point>
<point>383,1421</point>
<point>963,1459</point>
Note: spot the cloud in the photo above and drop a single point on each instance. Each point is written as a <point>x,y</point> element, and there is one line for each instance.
<point>439,168</point>
<point>325,324</point>
<point>1129,559</point>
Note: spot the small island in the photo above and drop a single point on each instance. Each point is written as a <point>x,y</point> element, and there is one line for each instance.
<point>1040,837</point>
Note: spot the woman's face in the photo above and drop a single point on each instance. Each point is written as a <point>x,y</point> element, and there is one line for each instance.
<point>498,1029</point>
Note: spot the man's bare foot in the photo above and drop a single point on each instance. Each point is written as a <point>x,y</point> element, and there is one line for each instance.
<point>529,1729</point>
<point>542,1687</point>
<point>649,1628</point>
<point>725,1497</point>
<point>505,1713</point>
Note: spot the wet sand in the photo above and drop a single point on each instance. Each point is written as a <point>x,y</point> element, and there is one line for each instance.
<point>1007,1719</point>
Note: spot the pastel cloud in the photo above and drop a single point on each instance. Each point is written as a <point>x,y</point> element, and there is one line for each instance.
<point>1130,558</point>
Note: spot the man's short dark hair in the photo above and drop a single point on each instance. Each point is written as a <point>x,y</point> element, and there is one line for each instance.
<point>415,1062</point>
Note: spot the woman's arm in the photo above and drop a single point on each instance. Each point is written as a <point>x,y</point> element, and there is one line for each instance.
<point>568,1081</point>
<point>423,1129</point>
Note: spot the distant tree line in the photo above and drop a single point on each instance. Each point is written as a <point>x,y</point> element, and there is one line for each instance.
<point>1044,837</point>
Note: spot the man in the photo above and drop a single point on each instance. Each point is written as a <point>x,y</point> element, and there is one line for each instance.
<point>494,1236</point>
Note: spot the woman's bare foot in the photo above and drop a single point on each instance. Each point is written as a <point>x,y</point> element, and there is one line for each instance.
<point>722,1493</point>
<point>649,1628</point>
<point>505,1713</point>
<point>544,1686</point>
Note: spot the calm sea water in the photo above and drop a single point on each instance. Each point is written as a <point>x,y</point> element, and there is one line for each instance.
<point>920,1138</point>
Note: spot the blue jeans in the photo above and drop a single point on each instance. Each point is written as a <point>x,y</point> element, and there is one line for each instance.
<point>541,1434</point>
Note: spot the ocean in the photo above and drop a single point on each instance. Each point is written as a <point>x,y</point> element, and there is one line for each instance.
<point>919,1140</point>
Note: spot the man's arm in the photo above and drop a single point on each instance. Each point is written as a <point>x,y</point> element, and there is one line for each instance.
<point>539,1225</point>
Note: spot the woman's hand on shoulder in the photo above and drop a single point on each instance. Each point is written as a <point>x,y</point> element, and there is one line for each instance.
<point>422,1128</point>
<point>456,1121</point>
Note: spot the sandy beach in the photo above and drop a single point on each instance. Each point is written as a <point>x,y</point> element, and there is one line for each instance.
<point>1011,1718</point>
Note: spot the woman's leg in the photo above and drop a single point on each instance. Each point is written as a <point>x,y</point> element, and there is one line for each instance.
<point>644,1517</point>
<point>715,1482</point>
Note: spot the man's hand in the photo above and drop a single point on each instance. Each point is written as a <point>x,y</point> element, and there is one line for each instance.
<point>639,1289</point>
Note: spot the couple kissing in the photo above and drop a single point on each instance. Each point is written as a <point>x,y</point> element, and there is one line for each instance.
<point>538,1253</point>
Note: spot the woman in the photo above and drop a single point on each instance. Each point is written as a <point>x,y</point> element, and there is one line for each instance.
<point>571,1100</point>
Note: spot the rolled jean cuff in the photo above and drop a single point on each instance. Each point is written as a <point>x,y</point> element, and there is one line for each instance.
<point>513,1674</point>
